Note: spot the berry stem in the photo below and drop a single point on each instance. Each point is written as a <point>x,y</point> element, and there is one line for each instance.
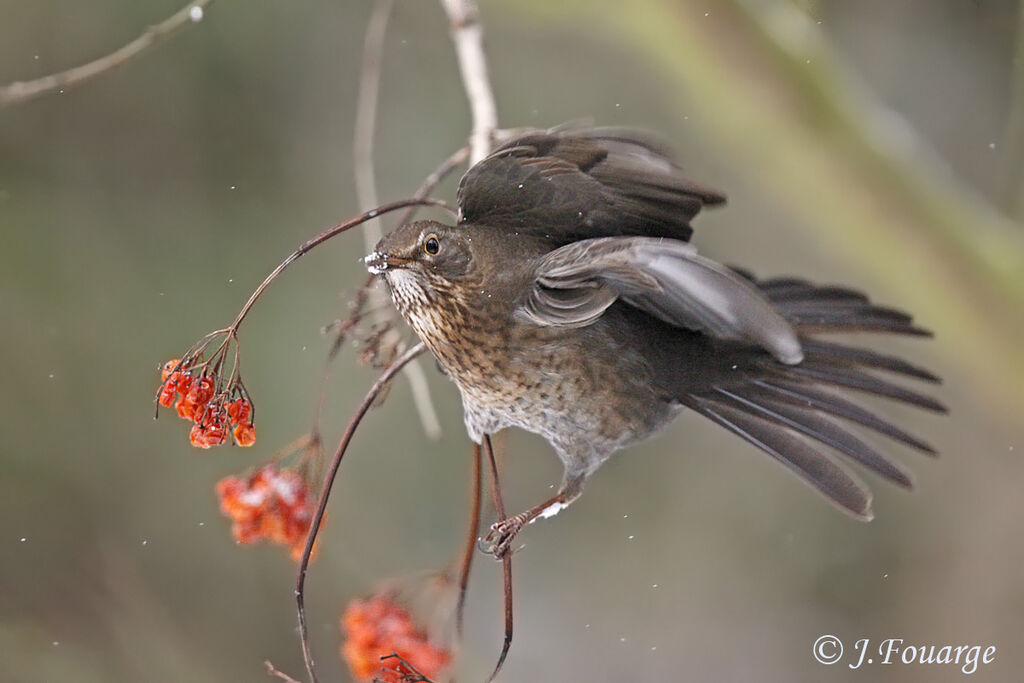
<point>323,237</point>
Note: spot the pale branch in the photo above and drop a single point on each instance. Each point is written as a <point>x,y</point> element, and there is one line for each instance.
<point>468,36</point>
<point>366,191</point>
<point>366,117</point>
<point>274,671</point>
<point>22,91</point>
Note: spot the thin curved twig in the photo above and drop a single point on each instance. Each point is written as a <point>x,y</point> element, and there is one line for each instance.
<point>506,559</point>
<point>23,91</point>
<point>325,493</point>
<point>323,237</point>
<point>457,158</point>
<point>366,191</point>
<point>471,539</point>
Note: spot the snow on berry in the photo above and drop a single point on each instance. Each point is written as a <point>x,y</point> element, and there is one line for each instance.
<point>272,504</point>
<point>378,627</point>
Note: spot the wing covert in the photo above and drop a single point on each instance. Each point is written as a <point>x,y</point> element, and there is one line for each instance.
<point>667,279</point>
<point>583,183</point>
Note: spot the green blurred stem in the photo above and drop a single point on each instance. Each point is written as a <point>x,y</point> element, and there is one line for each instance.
<point>884,145</point>
<point>1013,140</point>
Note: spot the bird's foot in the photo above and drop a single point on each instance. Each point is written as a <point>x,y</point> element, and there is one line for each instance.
<point>499,540</point>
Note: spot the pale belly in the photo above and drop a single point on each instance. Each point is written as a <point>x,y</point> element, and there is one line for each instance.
<point>576,412</point>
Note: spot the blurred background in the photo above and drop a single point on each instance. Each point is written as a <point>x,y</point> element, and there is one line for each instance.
<point>878,144</point>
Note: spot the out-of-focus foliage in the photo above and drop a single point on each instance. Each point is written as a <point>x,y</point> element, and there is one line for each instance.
<point>872,143</point>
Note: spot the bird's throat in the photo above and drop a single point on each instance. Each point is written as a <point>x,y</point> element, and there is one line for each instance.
<point>462,333</point>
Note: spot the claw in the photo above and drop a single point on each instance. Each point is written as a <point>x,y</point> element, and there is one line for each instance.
<point>497,542</point>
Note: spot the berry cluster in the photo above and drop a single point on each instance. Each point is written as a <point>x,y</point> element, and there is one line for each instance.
<point>213,410</point>
<point>271,504</point>
<point>379,627</point>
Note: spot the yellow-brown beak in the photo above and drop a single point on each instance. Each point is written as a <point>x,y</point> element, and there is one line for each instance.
<point>378,262</point>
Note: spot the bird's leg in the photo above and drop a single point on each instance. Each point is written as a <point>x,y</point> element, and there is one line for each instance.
<point>504,531</point>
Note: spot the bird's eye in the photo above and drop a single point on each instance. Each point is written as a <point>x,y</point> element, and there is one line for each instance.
<point>432,245</point>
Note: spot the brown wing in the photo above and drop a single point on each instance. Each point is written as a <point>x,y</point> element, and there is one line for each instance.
<point>566,185</point>
<point>665,278</point>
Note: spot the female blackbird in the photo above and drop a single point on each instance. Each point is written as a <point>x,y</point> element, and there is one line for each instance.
<point>568,302</point>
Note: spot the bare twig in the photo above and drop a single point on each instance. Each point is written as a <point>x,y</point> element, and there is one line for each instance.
<point>366,191</point>
<point>325,493</point>
<point>342,329</point>
<point>22,91</point>
<point>458,157</point>
<point>468,36</point>
<point>506,559</point>
<point>323,237</point>
<point>412,675</point>
<point>471,539</point>
<point>274,671</point>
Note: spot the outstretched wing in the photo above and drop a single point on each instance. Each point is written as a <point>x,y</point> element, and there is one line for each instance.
<point>665,278</point>
<point>574,184</point>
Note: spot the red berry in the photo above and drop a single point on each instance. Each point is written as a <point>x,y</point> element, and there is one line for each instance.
<point>271,504</point>
<point>197,437</point>
<point>239,411</point>
<point>201,391</point>
<point>185,382</point>
<point>186,409</point>
<point>168,392</point>
<point>245,434</point>
<point>214,433</point>
<point>168,368</point>
<point>378,627</point>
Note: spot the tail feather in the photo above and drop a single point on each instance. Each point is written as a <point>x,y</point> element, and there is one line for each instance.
<point>810,294</point>
<point>847,316</point>
<point>819,370</point>
<point>817,427</point>
<point>852,355</point>
<point>823,401</point>
<point>831,308</point>
<point>784,409</point>
<point>829,479</point>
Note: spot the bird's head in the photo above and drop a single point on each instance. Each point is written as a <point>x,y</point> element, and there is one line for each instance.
<point>424,249</point>
<point>422,261</point>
